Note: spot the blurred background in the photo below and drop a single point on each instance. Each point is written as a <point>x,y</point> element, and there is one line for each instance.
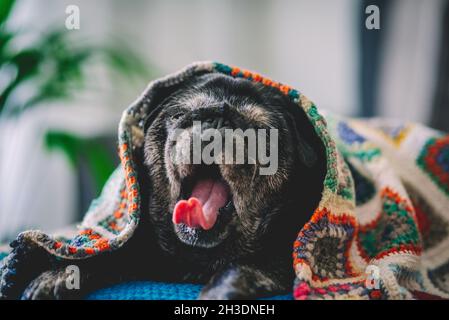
<point>63,91</point>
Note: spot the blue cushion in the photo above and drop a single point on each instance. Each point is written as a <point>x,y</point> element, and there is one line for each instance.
<point>149,290</point>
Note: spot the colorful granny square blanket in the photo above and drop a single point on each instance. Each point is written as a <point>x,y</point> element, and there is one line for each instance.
<point>380,231</point>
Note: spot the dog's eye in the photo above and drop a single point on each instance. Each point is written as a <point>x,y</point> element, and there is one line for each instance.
<point>176,116</point>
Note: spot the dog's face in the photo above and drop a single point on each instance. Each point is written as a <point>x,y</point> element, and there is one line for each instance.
<point>219,209</point>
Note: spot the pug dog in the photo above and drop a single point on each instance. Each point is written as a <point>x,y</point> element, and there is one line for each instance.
<point>220,224</point>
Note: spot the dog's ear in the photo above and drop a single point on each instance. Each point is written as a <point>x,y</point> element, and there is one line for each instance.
<point>161,92</point>
<point>152,102</point>
<point>157,98</point>
<point>309,148</point>
<point>306,153</point>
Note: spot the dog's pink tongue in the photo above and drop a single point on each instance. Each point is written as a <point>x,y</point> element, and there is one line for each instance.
<point>201,210</point>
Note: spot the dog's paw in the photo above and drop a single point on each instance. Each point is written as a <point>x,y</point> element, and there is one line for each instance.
<point>15,271</point>
<point>241,282</point>
<point>50,285</point>
<point>225,287</point>
<point>221,292</point>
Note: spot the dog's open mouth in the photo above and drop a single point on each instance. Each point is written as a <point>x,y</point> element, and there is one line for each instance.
<point>204,210</point>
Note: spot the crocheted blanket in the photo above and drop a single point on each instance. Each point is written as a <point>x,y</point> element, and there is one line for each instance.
<point>380,231</point>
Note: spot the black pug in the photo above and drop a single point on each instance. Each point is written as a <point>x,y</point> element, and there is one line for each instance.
<point>237,239</point>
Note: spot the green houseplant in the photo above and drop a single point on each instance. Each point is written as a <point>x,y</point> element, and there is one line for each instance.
<point>54,65</point>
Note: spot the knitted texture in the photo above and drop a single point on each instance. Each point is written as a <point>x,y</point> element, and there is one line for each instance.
<point>149,290</point>
<point>146,290</point>
<point>380,231</point>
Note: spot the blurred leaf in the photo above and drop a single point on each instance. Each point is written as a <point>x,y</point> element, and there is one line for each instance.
<point>100,163</point>
<point>5,37</point>
<point>66,142</point>
<point>124,60</point>
<point>26,63</point>
<point>56,64</point>
<point>77,149</point>
<point>5,10</point>
<point>58,67</point>
<point>65,78</point>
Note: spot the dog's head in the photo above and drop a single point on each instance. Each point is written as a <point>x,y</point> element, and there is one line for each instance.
<point>207,202</point>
